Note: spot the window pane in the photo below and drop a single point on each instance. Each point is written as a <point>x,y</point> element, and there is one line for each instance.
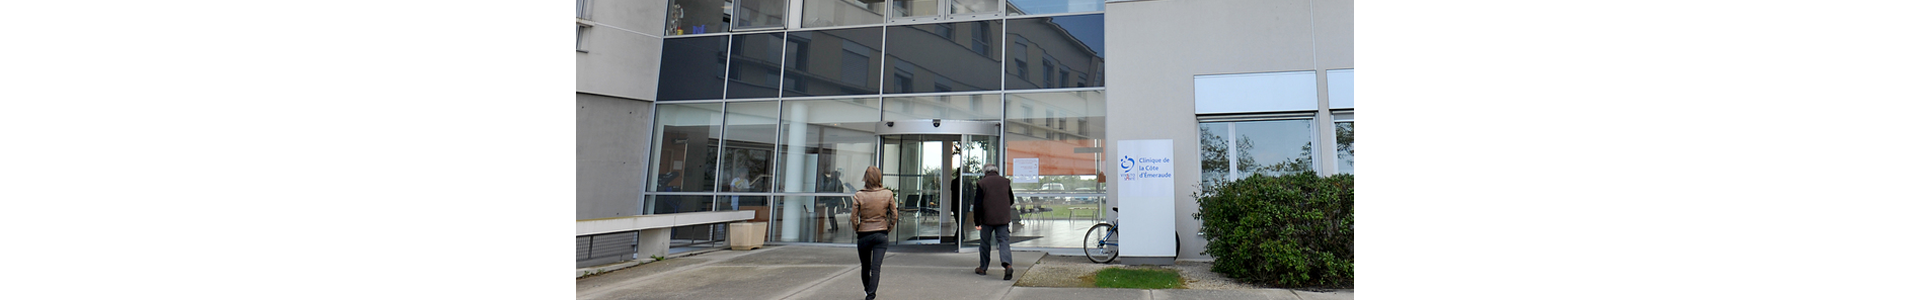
<point>826,13</point>
<point>1274,147</point>
<point>1340,88</point>
<point>1215,154</point>
<point>1035,7</point>
<point>833,62</point>
<point>914,8</point>
<point>1343,134</point>
<point>956,107</point>
<point>668,204</point>
<point>811,219</point>
<point>1255,92</point>
<point>756,59</point>
<point>747,164</point>
<point>696,17</point>
<point>917,58</point>
<point>968,7</point>
<point>828,146</point>
<point>760,14</point>
<point>695,68</point>
<point>685,143</point>
<point>1074,46</point>
<point>1068,156</point>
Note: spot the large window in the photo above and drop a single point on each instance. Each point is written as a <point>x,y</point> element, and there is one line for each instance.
<point>1234,150</point>
<point>686,139</point>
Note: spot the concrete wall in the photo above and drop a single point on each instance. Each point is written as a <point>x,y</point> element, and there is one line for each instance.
<point>610,152</point>
<point>616,79</point>
<point>623,49</point>
<point>1155,48</point>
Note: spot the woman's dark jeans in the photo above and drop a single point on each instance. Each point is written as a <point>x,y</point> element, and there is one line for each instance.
<point>873,249</point>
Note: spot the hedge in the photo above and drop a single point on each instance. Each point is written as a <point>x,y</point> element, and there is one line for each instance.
<point>1288,231</point>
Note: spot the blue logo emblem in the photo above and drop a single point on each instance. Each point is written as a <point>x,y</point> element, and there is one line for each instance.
<point>1126,164</point>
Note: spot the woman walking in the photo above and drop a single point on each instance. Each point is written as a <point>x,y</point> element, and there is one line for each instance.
<point>874,215</point>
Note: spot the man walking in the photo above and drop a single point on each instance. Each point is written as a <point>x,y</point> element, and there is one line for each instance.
<point>993,207</point>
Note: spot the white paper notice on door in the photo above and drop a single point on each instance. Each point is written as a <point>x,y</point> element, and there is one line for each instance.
<point>1024,170</point>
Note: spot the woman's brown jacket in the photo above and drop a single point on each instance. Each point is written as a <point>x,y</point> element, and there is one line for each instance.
<point>873,210</point>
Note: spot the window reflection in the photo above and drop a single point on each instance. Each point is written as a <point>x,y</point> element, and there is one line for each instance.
<point>1035,7</point>
<point>918,57</point>
<point>1276,147</point>
<point>833,62</point>
<point>1234,150</point>
<point>1067,154</point>
<point>698,16</point>
<point>747,164</point>
<point>754,70</point>
<point>827,13</point>
<point>829,144</point>
<point>761,14</point>
<point>692,68</point>
<point>1343,135</point>
<point>943,107</point>
<point>1070,51</point>
<point>685,143</point>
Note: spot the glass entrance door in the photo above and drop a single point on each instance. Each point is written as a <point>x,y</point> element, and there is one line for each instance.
<point>931,175</point>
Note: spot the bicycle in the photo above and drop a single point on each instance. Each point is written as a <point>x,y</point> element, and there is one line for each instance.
<point>1102,242</point>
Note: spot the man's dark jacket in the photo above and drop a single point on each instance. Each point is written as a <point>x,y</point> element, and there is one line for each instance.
<point>993,200</point>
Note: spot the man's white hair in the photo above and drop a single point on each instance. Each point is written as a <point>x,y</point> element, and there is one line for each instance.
<point>992,168</point>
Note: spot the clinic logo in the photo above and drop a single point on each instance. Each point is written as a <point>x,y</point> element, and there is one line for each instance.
<point>1126,164</point>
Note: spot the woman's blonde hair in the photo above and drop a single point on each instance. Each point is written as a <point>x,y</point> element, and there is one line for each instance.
<point>872,178</point>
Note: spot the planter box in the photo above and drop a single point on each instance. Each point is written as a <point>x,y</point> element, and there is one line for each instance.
<point>746,235</point>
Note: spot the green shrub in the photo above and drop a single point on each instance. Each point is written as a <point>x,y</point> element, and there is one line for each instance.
<point>1289,231</point>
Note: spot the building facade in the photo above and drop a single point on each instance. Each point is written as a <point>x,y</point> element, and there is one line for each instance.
<point>777,106</point>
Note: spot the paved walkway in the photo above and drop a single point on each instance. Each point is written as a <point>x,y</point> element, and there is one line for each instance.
<point>816,272</point>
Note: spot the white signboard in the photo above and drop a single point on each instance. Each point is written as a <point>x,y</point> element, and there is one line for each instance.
<point>1146,198</point>
<point>1024,170</point>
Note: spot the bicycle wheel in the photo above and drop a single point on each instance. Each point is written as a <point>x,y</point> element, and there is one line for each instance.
<point>1102,243</point>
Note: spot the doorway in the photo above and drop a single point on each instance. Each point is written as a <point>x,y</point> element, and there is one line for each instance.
<point>928,170</point>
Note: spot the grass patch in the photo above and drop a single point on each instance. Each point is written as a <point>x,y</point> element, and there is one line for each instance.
<point>1139,279</point>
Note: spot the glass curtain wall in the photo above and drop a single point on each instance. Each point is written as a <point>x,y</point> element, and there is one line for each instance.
<point>785,120</point>
<point>826,147</point>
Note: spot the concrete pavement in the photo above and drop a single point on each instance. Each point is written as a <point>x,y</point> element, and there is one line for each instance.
<point>818,272</point>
